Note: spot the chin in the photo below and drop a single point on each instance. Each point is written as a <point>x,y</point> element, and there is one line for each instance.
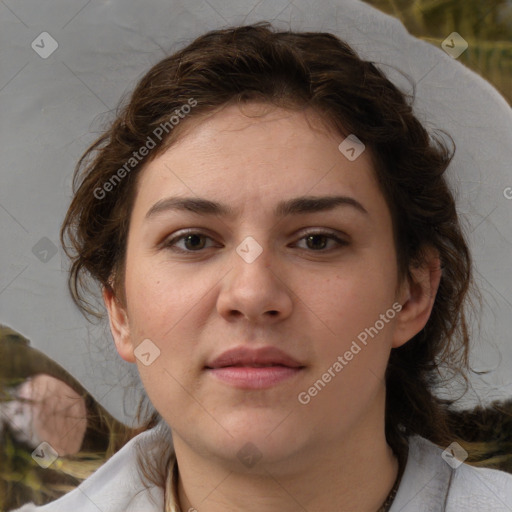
<point>256,439</point>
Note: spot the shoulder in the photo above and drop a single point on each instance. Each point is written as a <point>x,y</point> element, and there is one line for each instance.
<point>480,489</point>
<point>116,486</point>
<point>431,483</point>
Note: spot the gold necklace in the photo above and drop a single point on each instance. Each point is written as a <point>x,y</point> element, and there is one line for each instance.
<point>391,496</point>
<point>402,461</point>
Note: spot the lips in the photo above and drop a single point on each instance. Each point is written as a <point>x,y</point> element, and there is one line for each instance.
<point>247,368</point>
<point>255,358</point>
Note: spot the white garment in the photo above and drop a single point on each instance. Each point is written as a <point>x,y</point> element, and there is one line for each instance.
<point>428,484</point>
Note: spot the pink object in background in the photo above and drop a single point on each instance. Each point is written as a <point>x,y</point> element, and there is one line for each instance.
<point>48,410</point>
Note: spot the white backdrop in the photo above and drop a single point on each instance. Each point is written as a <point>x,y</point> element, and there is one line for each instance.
<point>65,64</point>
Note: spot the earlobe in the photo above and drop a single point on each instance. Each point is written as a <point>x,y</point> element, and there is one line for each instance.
<point>418,296</point>
<point>119,325</point>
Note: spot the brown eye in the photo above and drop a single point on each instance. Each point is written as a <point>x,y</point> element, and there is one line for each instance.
<point>317,241</point>
<point>193,241</point>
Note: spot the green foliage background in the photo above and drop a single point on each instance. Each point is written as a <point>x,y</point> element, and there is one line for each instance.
<point>485,24</point>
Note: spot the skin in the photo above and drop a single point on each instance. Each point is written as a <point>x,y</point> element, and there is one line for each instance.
<point>309,300</point>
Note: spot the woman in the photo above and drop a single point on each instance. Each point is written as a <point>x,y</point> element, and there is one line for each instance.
<point>293,351</point>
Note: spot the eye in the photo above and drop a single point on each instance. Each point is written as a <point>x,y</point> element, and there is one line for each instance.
<point>194,241</point>
<point>314,239</point>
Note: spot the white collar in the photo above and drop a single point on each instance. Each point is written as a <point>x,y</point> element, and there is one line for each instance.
<point>428,484</point>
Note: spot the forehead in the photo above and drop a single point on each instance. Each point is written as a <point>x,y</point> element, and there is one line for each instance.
<point>256,154</point>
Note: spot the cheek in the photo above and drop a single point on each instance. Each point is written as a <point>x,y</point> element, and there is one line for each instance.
<point>353,300</point>
<point>166,305</point>
<point>348,320</point>
<point>158,295</point>
<point>352,344</point>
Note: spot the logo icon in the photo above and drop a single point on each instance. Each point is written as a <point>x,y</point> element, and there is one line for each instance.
<point>454,455</point>
<point>44,45</point>
<point>147,352</point>
<point>44,250</point>
<point>454,45</point>
<point>249,249</point>
<point>45,455</point>
<point>351,147</point>
<point>249,455</point>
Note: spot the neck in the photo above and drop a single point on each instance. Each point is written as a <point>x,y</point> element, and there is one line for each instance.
<point>353,473</point>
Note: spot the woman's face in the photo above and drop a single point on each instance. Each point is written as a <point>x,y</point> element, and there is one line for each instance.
<point>317,283</point>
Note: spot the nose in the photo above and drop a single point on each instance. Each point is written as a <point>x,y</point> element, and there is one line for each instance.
<point>255,290</point>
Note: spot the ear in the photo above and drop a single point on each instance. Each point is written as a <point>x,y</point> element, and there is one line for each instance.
<point>119,325</point>
<point>417,298</point>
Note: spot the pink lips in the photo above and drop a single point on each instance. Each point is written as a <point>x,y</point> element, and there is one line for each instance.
<point>249,368</point>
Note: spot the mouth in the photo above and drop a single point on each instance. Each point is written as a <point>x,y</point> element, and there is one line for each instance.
<point>261,368</point>
<point>249,365</point>
<point>254,377</point>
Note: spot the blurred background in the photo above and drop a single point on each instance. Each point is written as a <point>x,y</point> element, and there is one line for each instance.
<point>485,24</point>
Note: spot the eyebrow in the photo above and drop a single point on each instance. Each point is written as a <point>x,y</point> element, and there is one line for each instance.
<point>295,206</point>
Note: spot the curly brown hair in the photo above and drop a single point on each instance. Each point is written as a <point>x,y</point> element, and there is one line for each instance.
<point>294,70</point>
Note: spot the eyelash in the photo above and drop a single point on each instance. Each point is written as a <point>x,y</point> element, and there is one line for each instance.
<point>170,243</point>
